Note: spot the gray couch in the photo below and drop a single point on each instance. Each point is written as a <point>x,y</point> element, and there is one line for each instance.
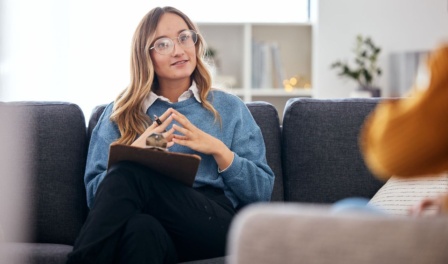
<point>314,155</point>
<point>321,164</point>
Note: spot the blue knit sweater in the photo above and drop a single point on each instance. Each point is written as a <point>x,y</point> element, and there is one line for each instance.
<point>248,179</point>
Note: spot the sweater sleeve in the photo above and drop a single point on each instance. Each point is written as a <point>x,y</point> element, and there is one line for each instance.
<point>409,136</point>
<point>249,177</point>
<point>104,133</point>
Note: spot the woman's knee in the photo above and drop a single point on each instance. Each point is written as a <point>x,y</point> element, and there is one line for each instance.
<point>144,234</point>
<point>120,181</point>
<point>144,225</point>
<point>131,171</point>
<point>121,173</point>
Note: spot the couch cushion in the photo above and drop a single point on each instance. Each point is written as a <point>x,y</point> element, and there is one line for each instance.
<point>33,253</point>
<point>267,119</point>
<point>305,233</point>
<point>55,157</point>
<point>220,260</point>
<point>322,162</point>
<point>93,120</point>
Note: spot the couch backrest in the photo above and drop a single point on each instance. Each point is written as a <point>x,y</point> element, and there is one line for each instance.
<point>322,162</point>
<point>267,119</point>
<point>55,160</point>
<point>94,118</point>
<point>266,116</point>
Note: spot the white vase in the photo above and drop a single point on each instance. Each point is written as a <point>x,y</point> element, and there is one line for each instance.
<point>366,92</point>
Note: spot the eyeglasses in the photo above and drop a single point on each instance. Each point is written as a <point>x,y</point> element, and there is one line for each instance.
<point>186,39</point>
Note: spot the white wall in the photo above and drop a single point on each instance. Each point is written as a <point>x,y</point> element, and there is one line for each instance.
<point>79,50</point>
<point>33,45</point>
<point>72,50</point>
<point>394,25</point>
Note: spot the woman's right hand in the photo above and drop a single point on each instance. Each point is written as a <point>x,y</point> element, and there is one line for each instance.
<point>166,119</point>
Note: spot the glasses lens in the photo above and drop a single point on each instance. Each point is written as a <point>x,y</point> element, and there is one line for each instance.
<point>188,38</point>
<point>163,45</point>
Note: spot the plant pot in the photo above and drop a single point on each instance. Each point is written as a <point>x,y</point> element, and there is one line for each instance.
<point>366,92</point>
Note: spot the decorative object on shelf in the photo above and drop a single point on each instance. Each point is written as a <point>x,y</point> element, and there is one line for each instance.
<point>365,70</point>
<point>240,73</point>
<point>210,52</point>
<point>224,81</point>
<point>267,66</point>
<point>219,80</point>
<point>296,82</point>
<point>407,69</point>
<point>212,60</point>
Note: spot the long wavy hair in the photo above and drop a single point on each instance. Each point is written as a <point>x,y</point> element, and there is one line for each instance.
<point>128,112</point>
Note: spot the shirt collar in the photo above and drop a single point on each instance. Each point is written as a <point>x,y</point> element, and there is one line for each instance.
<point>152,97</point>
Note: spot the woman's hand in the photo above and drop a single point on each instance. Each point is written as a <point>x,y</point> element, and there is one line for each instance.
<point>200,141</point>
<point>166,119</point>
<point>440,204</point>
<point>192,136</point>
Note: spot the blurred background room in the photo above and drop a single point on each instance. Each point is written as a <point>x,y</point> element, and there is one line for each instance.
<point>78,51</point>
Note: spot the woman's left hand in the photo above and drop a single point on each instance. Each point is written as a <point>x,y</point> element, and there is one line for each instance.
<point>192,136</point>
<point>200,141</point>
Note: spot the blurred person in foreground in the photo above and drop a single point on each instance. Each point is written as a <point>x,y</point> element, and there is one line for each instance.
<point>408,137</point>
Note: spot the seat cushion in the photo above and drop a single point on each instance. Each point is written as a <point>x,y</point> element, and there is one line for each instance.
<point>33,253</point>
<point>220,260</point>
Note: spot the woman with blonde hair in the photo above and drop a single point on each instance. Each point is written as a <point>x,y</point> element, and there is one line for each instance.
<point>139,216</point>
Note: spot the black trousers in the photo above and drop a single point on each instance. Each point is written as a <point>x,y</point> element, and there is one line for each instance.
<point>139,216</point>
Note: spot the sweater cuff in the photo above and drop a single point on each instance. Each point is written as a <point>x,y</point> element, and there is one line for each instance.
<point>221,171</point>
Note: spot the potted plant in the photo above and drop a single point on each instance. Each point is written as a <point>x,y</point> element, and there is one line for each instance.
<point>365,69</point>
<point>212,61</point>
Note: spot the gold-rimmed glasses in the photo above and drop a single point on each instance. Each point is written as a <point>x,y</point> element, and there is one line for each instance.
<point>186,39</point>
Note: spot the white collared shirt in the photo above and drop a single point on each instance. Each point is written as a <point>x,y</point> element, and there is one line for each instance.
<point>152,97</point>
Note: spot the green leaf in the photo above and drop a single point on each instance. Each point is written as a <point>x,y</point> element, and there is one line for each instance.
<point>367,76</point>
<point>366,55</point>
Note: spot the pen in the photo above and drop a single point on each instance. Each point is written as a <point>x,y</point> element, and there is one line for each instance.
<point>157,120</point>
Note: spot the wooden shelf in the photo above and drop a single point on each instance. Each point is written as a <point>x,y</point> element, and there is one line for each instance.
<point>273,92</point>
<point>236,60</point>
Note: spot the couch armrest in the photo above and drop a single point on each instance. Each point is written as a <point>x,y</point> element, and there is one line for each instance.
<point>304,233</point>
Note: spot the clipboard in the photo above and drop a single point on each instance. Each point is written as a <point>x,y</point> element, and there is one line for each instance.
<point>180,166</point>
